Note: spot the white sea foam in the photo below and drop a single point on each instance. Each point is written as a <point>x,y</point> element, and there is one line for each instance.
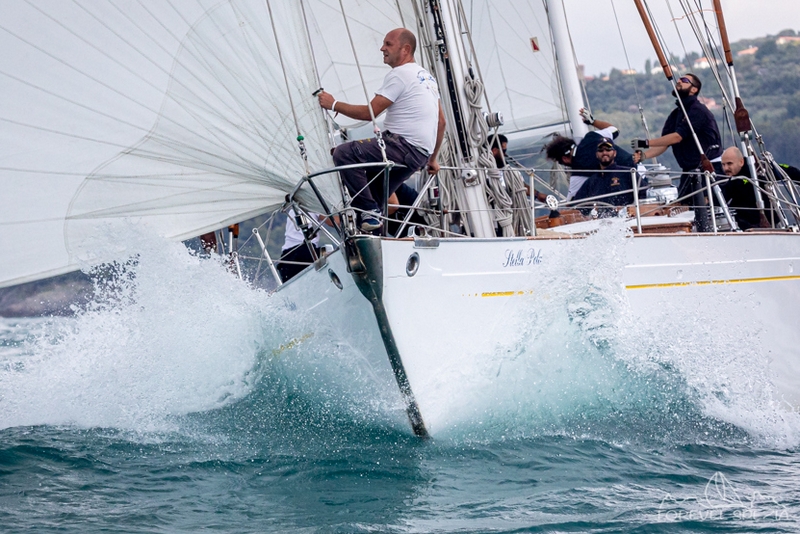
<point>583,360</point>
<point>170,334</point>
<point>176,334</point>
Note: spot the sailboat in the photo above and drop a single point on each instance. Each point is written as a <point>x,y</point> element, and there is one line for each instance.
<point>180,118</point>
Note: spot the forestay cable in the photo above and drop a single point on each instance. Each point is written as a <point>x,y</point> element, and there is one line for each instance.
<point>301,145</point>
<point>377,130</point>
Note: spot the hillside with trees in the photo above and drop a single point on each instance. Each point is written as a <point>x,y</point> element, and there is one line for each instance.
<point>768,71</point>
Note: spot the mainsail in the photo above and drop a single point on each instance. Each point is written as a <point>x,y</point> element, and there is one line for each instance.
<point>515,53</point>
<point>181,115</point>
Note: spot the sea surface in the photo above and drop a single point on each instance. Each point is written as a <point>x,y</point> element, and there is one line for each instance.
<point>169,404</point>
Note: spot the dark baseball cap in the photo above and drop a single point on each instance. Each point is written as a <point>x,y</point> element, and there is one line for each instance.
<point>605,142</point>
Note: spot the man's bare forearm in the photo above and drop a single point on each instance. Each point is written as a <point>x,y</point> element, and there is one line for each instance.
<point>358,112</point>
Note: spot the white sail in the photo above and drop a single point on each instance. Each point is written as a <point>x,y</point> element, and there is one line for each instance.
<point>339,59</point>
<point>517,61</point>
<point>172,113</point>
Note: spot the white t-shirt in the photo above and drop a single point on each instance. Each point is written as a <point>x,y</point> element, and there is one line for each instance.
<point>294,236</point>
<point>414,112</point>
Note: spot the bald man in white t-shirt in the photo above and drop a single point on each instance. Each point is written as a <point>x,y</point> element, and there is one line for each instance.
<point>414,128</point>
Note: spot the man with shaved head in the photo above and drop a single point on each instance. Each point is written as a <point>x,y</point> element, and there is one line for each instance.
<point>739,190</point>
<point>733,162</point>
<point>414,128</point>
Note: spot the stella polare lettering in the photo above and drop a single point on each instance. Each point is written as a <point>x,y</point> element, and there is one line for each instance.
<point>521,257</point>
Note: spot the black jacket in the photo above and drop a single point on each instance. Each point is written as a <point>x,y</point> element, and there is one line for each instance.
<point>704,124</point>
<point>614,179</point>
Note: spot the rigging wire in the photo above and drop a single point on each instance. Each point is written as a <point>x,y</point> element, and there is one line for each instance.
<point>381,143</point>
<point>317,77</point>
<point>473,52</point>
<point>400,13</point>
<point>677,29</point>
<point>633,78</point>
<point>300,138</point>
<point>662,43</point>
<point>660,36</point>
<point>711,51</point>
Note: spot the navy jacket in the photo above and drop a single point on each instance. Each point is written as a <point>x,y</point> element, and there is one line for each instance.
<point>584,162</point>
<point>705,125</point>
<point>741,196</point>
<point>614,179</point>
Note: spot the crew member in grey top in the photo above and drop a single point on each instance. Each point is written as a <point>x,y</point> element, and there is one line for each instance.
<point>414,127</point>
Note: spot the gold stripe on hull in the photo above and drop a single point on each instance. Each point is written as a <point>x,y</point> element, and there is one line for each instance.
<point>716,282</point>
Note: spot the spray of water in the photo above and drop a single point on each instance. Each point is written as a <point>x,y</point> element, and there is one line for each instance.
<point>166,333</point>
<point>169,333</point>
<point>583,363</point>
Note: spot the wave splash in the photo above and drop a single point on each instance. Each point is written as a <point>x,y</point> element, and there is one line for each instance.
<point>167,333</point>
<point>172,334</point>
<point>584,364</point>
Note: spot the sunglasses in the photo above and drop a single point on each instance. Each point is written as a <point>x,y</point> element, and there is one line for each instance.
<point>605,149</point>
<point>684,79</point>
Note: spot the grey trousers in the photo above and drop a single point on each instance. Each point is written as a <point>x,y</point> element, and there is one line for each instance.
<point>398,150</point>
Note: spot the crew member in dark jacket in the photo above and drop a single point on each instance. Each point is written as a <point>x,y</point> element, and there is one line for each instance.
<point>739,191</point>
<point>613,178</point>
<point>581,157</point>
<point>677,133</point>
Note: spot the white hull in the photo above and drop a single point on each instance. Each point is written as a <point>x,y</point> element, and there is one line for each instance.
<point>478,317</point>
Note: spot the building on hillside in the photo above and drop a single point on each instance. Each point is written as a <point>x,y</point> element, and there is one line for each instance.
<point>658,70</point>
<point>787,40</point>
<point>747,51</point>
<point>628,72</point>
<point>703,63</point>
<point>710,103</point>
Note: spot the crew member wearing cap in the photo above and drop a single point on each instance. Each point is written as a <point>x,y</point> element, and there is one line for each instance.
<point>611,179</point>
<point>581,157</point>
<point>677,133</point>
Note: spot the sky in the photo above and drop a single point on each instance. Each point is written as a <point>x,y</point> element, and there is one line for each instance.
<point>598,45</point>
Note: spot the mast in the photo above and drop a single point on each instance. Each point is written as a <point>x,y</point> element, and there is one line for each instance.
<point>567,68</point>
<point>452,68</point>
